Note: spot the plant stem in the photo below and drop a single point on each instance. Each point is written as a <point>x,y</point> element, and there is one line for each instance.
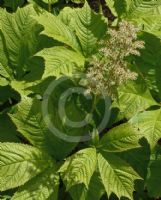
<point>100,7</point>
<point>49,6</point>
<point>94,103</point>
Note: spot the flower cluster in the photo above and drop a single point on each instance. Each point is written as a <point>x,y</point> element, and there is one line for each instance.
<point>111,71</point>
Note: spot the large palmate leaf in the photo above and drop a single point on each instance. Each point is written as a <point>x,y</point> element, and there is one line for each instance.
<point>30,123</point>
<point>19,38</point>
<point>19,163</point>
<point>120,138</point>
<point>117,175</point>
<point>79,168</point>
<point>49,130</point>
<point>84,22</point>
<point>55,28</point>
<point>149,124</point>
<point>134,98</point>
<point>76,29</point>
<point>43,186</point>
<point>154,176</point>
<point>59,61</point>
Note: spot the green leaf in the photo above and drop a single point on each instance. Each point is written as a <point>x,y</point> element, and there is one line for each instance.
<point>39,5</point>
<point>5,197</point>
<point>55,28</point>
<point>66,15</point>
<point>120,138</point>
<point>139,155</point>
<point>3,57</point>
<point>22,87</point>
<point>150,24</point>
<point>117,7</point>
<point>134,98</point>
<point>6,95</point>
<point>133,9</point>
<point>136,8</point>
<point>19,31</point>
<point>84,23</point>
<point>94,191</point>
<point>61,61</point>
<point>149,124</point>
<point>145,14</point>
<point>117,175</point>
<point>29,121</point>
<point>13,4</point>
<point>79,168</point>
<point>154,177</point>
<point>8,131</point>
<point>43,186</point>
<point>149,62</point>
<point>19,163</point>
<point>34,125</point>
<point>5,72</point>
<point>3,81</point>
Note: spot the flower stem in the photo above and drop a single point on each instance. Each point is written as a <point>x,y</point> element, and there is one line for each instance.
<point>49,6</point>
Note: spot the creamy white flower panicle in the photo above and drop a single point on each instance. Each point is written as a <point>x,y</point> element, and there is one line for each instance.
<point>111,71</point>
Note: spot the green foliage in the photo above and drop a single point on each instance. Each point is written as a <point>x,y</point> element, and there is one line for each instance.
<point>7,130</point>
<point>30,122</point>
<point>134,98</point>
<point>56,65</point>
<point>117,176</point>
<point>121,138</point>
<point>94,191</point>
<point>85,23</point>
<point>149,62</point>
<point>20,163</point>
<point>57,141</point>
<point>13,4</point>
<point>154,176</point>
<point>43,186</point>
<point>19,38</point>
<point>79,168</point>
<point>148,123</point>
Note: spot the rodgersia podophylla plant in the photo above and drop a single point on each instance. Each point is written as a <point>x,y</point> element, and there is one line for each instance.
<point>56,143</point>
<point>112,70</point>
